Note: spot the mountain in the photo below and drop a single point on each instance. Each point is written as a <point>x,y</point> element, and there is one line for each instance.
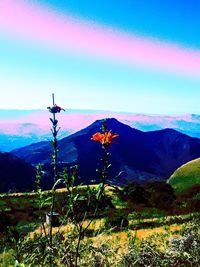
<point>186,176</point>
<point>15,174</point>
<point>140,155</point>
<point>23,127</point>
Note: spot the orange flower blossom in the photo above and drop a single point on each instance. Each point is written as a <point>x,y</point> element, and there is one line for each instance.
<point>104,138</point>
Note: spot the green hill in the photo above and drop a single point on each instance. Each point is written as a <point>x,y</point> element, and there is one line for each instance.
<point>186,176</point>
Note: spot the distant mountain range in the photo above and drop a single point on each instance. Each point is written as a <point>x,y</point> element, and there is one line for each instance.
<point>142,156</point>
<point>19,128</point>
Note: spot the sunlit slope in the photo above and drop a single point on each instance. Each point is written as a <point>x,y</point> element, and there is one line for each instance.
<point>186,176</point>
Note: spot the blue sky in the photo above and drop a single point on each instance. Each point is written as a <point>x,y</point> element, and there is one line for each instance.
<point>172,20</point>
<point>32,67</point>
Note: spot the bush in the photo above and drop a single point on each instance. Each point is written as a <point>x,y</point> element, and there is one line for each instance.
<point>116,220</point>
<point>160,195</point>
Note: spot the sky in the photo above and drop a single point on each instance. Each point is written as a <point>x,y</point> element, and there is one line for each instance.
<point>126,55</point>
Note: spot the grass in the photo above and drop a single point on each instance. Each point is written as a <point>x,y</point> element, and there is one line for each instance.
<point>170,226</point>
<point>119,241</point>
<point>21,209</point>
<point>24,208</point>
<point>146,225</point>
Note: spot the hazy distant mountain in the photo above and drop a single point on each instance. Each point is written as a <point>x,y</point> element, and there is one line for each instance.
<point>141,155</point>
<point>8,142</point>
<point>23,127</point>
<point>15,174</point>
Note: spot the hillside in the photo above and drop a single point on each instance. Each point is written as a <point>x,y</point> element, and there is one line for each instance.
<point>186,176</point>
<point>140,155</point>
<point>15,174</point>
<point>106,235</point>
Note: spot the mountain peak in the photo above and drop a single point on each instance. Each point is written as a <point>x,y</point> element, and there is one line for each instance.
<point>110,122</point>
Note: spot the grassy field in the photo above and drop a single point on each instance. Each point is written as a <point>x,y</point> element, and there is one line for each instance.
<point>149,228</point>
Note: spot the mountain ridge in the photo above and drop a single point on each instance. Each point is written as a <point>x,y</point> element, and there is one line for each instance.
<point>141,155</point>
<point>34,125</point>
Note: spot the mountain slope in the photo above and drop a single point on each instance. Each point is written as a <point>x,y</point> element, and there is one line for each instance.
<point>15,174</point>
<point>186,176</point>
<point>141,155</point>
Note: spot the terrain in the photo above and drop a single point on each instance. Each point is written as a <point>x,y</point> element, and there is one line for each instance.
<point>152,236</point>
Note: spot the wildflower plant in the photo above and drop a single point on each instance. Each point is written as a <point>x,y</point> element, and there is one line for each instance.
<point>53,110</point>
<point>106,138</point>
<point>55,129</point>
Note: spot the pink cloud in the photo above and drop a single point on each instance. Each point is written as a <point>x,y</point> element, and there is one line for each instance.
<point>60,31</point>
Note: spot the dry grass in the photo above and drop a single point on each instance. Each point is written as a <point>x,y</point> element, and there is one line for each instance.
<point>116,239</point>
<point>120,238</point>
<point>108,189</point>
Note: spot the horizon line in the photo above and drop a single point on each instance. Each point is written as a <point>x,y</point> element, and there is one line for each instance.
<point>104,111</point>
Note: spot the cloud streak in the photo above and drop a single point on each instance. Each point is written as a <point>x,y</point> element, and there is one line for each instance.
<point>37,24</point>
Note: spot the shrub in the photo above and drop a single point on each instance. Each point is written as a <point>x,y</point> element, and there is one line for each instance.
<point>160,195</point>
<point>116,220</point>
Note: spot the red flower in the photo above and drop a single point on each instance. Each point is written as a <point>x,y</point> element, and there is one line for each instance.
<point>104,138</point>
